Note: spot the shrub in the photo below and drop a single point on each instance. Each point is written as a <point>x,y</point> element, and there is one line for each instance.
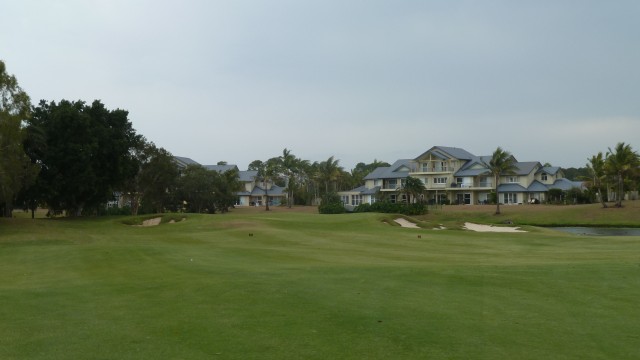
<point>331,204</point>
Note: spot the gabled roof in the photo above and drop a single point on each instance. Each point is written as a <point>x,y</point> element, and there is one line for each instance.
<point>474,167</point>
<point>550,170</point>
<point>526,167</point>
<point>221,168</point>
<point>395,171</point>
<point>445,152</point>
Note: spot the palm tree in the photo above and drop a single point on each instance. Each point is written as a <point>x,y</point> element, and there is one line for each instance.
<point>292,167</point>
<point>329,171</point>
<point>596,167</point>
<point>502,162</point>
<point>412,186</point>
<point>620,163</point>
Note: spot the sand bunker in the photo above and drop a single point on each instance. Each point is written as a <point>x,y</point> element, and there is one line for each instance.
<point>490,228</point>
<point>407,224</point>
<point>152,222</point>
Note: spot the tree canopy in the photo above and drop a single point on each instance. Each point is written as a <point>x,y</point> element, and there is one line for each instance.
<point>88,153</point>
<point>16,169</point>
<point>501,163</point>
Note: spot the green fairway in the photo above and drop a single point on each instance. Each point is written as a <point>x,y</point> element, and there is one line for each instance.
<point>295,285</point>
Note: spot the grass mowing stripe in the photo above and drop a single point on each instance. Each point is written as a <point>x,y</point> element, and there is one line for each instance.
<point>313,287</point>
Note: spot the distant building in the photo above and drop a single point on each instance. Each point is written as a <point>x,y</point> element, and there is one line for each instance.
<point>454,175</point>
<point>253,189</point>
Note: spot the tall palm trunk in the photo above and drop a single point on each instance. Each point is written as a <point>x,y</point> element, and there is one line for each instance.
<point>497,179</point>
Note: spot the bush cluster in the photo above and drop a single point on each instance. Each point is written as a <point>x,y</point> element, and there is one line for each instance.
<point>392,208</point>
<point>331,204</point>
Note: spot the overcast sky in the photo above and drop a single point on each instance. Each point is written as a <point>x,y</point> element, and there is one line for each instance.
<point>238,80</point>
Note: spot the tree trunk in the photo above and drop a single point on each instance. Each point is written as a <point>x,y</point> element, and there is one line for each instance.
<point>266,198</point>
<point>497,178</point>
<point>8,209</point>
<point>620,194</point>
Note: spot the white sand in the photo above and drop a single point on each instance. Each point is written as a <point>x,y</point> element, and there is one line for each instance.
<point>152,222</point>
<point>406,224</point>
<point>490,228</point>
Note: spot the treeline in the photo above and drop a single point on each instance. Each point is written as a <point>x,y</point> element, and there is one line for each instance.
<point>74,158</point>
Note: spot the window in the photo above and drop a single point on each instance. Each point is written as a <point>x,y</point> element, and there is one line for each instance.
<point>392,198</point>
<point>391,184</point>
<point>513,179</point>
<point>425,167</point>
<point>441,166</point>
<point>356,200</point>
<point>510,198</point>
<point>544,177</point>
<point>345,199</point>
<point>440,180</point>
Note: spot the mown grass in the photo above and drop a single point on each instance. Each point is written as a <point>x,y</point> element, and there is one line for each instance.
<point>288,285</point>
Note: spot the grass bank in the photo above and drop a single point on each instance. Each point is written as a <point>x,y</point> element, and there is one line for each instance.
<point>293,285</point>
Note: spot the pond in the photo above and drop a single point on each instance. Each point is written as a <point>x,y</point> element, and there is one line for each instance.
<point>599,231</point>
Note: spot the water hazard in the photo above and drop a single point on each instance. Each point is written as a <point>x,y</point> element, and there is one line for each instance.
<point>598,231</point>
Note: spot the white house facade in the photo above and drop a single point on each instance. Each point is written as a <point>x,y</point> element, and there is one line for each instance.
<point>454,175</point>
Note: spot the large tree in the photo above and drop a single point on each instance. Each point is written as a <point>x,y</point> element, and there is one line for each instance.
<point>16,169</point>
<point>154,175</point>
<point>197,188</point>
<point>501,163</point>
<point>88,154</point>
<point>621,162</point>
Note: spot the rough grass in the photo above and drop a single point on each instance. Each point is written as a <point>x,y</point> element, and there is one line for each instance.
<point>294,285</point>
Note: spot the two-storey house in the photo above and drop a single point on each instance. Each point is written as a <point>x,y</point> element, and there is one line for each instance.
<point>455,175</point>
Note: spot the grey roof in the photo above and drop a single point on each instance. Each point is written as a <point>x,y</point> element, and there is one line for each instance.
<point>221,168</point>
<point>466,169</point>
<point>525,167</point>
<point>377,173</point>
<point>472,172</point>
<point>363,190</point>
<point>511,188</point>
<point>445,152</point>
<point>184,161</point>
<point>551,170</point>
<point>537,186</point>
<point>565,184</point>
<point>248,175</point>
<point>391,172</point>
<point>274,191</point>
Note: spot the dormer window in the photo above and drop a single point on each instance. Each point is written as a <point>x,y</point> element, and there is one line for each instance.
<point>544,177</point>
<point>513,179</point>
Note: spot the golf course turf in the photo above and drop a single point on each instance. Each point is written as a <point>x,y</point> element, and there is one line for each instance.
<point>298,285</point>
